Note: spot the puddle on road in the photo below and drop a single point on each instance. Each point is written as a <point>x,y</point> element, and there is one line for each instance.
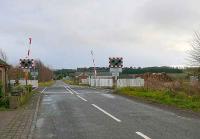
<point>40,122</point>
<point>108,96</point>
<point>47,99</point>
<point>46,103</point>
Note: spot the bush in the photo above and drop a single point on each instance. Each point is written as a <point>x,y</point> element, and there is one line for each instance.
<point>1,91</point>
<point>29,88</point>
<point>25,98</point>
<point>18,90</point>
<point>4,102</point>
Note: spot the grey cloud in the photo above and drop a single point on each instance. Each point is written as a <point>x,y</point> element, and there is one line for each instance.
<point>143,32</point>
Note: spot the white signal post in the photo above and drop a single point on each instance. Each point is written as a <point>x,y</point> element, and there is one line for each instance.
<point>28,54</point>
<point>95,72</point>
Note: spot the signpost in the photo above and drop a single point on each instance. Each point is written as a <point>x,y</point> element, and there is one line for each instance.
<point>115,64</point>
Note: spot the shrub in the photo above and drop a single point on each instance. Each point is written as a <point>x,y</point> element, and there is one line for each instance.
<point>28,88</point>
<point>4,102</point>
<point>17,90</point>
<point>1,91</point>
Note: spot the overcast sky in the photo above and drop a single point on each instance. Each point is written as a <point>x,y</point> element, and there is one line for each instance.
<point>143,32</point>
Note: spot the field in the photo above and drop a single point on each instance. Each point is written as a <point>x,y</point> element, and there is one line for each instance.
<point>46,84</point>
<point>178,99</point>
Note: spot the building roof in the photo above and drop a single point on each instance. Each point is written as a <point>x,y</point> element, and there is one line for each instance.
<point>3,63</point>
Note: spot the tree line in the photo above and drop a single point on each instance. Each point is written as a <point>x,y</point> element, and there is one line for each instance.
<point>127,70</point>
<point>151,70</point>
<point>44,72</point>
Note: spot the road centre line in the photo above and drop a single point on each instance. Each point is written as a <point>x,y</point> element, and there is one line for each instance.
<point>108,114</point>
<point>68,90</point>
<point>81,98</point>
<point>142,135</point>
<point>35,89</point>
<point>44,90</point>
<point>73,91</point>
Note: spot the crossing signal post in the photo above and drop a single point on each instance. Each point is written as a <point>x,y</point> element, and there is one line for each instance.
<point>26,65</point>
<point>115,64</point>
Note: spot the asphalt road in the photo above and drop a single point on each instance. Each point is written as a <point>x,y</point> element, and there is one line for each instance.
<point>82,113</point>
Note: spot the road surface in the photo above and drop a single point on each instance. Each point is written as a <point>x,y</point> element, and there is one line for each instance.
<point>84,113</point>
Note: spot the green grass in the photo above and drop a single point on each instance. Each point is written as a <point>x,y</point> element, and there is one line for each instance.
<point>179,99</point>
<point>46,84</point>
<point>70,82</point>
<point>25,98</point>
<point>4,103</point>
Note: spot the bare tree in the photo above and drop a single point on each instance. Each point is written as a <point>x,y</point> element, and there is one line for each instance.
<point>3,55</point>
<point>45,73</point>
<point>194,53</point>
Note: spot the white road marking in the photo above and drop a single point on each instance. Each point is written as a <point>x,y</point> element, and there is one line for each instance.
<point>81,98</point>
<point>184,118</point>
<point>68,90</point>
<point>73,90</point>
<point>142,135</point>
<point>35,89</point>
<point>56,93</point>
<point>113,117</point>
<point>44,90</point>
<point>89,93</point>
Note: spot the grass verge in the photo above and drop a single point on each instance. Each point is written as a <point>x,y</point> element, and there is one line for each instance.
<point>25,98</point>
<point>46,84</point>
<point>4,104</point>
<point>178,99</point>
<point>70,82</point>
<point>22,100</point>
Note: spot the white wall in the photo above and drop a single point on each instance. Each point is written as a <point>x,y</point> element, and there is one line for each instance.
<point>34,83</point>
<point>101,82</point>
<point>138,82</point>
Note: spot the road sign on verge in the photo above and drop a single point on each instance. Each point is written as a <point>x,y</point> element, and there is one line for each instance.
<point>34,73</point>
<point>115,70</point>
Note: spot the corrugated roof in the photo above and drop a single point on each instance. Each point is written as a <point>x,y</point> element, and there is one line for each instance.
<point>3,63</point>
